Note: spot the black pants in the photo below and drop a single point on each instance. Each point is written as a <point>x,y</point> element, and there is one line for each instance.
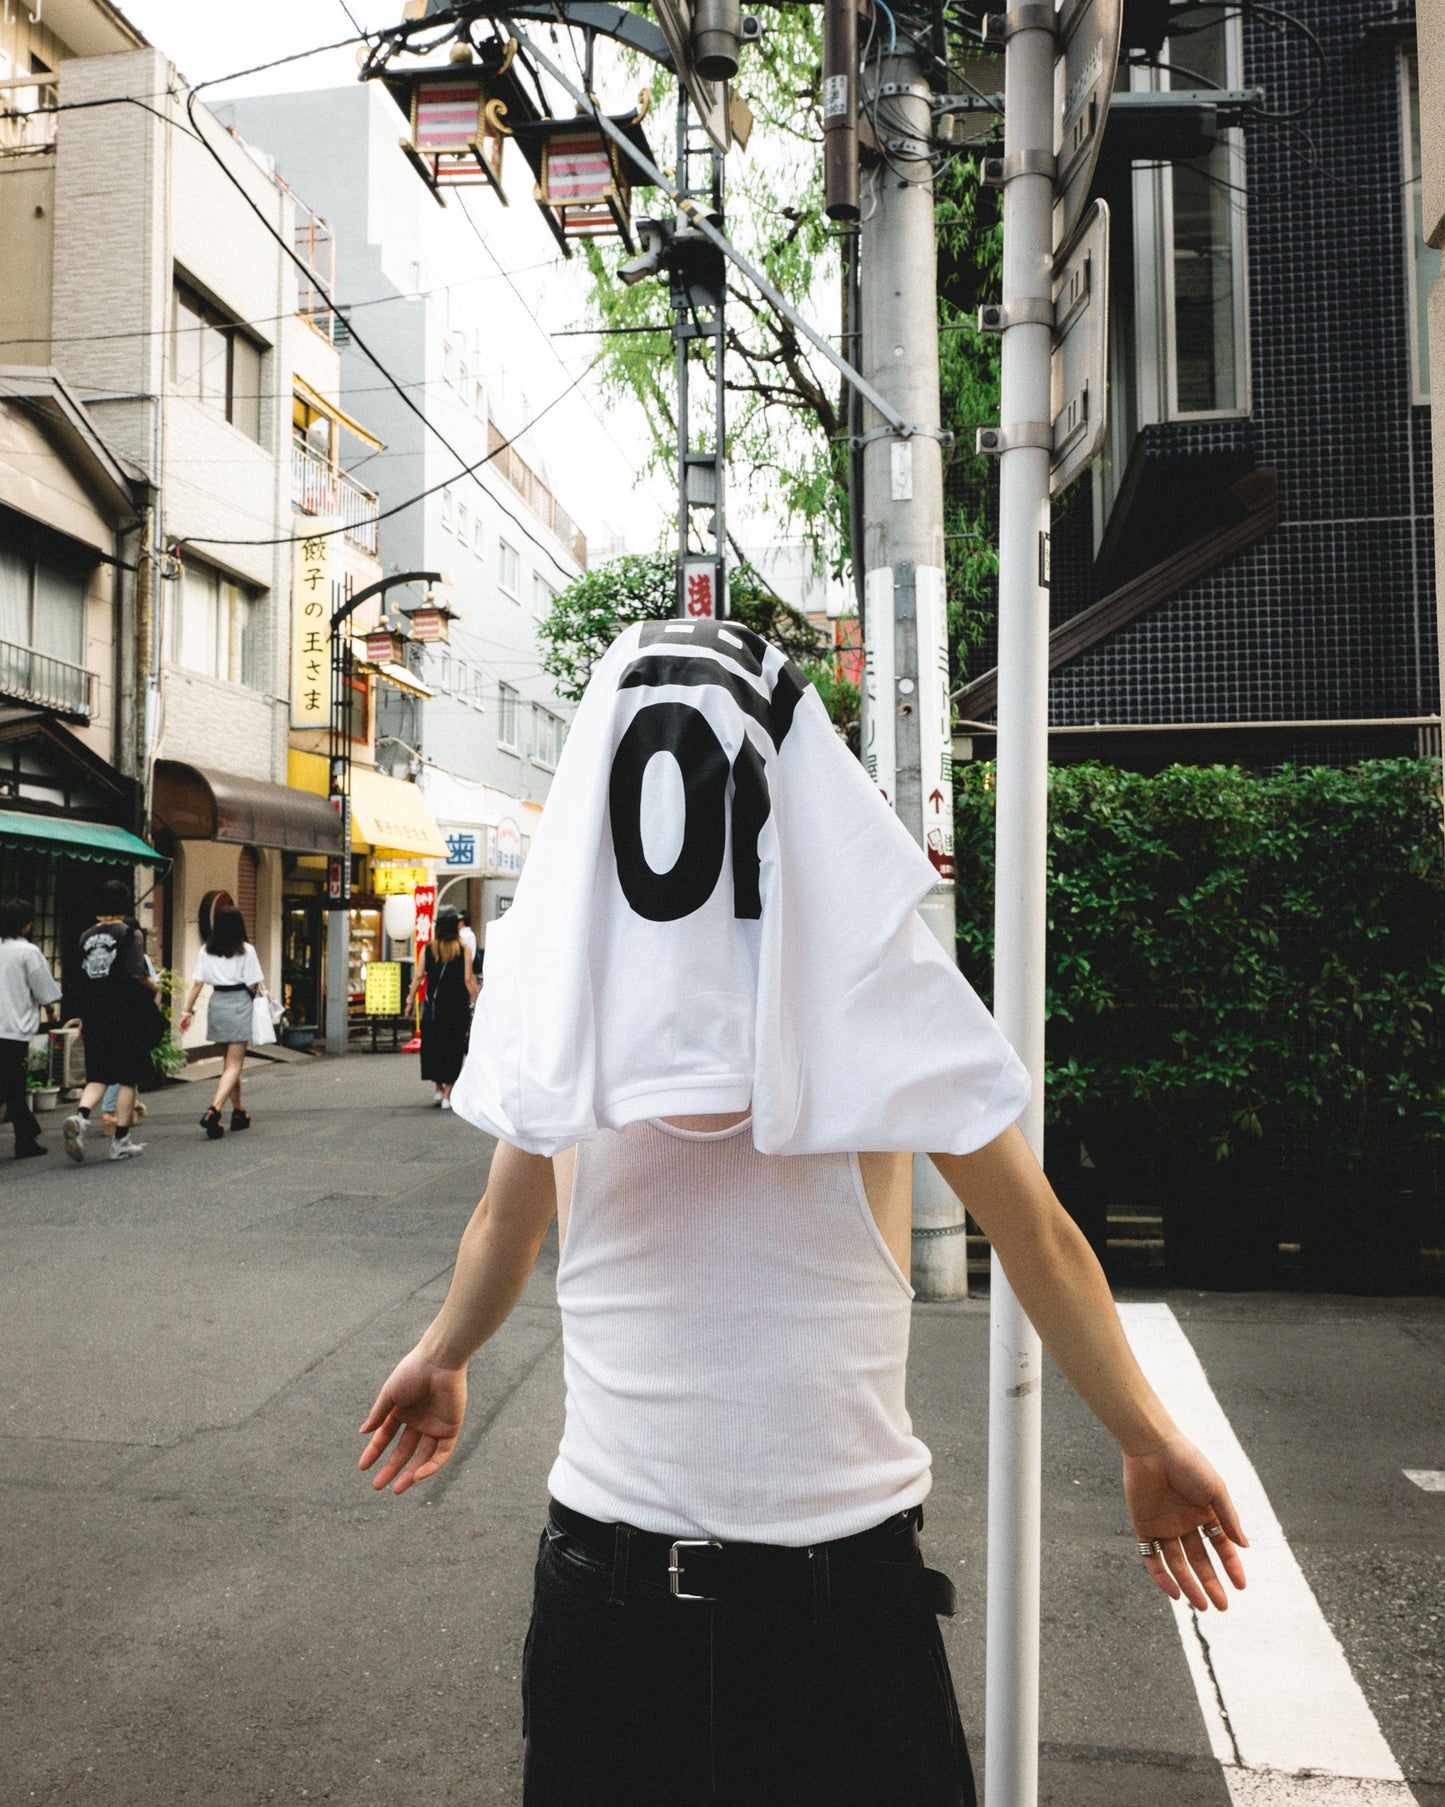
<point>631,1698</point>
<point>13,1056</point>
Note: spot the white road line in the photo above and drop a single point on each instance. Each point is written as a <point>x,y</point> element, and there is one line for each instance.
<point>1286,1717</point>
<point>1428,1480</point>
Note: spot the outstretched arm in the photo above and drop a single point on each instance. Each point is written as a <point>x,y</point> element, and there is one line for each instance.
<point>1171,1489</point>
<point>422,1404</point>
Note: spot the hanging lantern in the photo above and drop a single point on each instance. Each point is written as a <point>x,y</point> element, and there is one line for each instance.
<point>459,117</point>
<point>430,620</point>
<point>384,646</point>
<point>584,178</point>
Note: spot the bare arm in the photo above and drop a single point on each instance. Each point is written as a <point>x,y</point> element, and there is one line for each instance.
<point>424,1401</point>
<point>1171,1488</point>
<point>189,1009</point>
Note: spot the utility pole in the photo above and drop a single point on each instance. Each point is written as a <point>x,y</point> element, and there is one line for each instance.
<point>1020,906</point>
<point>907,738</point>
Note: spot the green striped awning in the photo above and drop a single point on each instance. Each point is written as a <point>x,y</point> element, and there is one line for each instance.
<point>76,840</point>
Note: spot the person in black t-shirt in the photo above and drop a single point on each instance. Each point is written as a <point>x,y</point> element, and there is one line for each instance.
<point>114,993</point>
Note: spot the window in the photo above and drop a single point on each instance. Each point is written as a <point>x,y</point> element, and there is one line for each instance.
<point>1178,309</point>
<point>214,625</point>
<point>449,511</point>
<point>548,733</point>
<point>464,523</point>
<point>479,544</point>
<point>543,596</point>
<point>450,359</point>
<point>41,607</point>
<point>215,363</point>
<point>1424,261</point>
<point>507,717</point>
<point>511,570</point>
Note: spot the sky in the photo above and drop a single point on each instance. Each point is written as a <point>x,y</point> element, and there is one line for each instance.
<point>593,451</point>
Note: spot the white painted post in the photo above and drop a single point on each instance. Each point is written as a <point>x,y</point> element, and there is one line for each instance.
<point>1015,1367</point>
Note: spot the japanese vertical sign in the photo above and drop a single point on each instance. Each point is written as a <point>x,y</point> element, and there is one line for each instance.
<point>700,587</point>
<point>311,583</point>
<point>426,912</point>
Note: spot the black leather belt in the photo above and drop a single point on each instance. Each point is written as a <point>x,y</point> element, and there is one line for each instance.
<point>879,1568</point>
<point>230,988</point>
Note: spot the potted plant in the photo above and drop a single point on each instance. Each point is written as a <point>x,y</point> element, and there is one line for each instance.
<point>41,1095</point>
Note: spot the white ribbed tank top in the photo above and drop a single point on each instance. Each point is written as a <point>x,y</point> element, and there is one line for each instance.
<point>735,1338</point>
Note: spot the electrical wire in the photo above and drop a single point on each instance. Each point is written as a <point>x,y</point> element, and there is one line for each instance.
<point>467,470</point>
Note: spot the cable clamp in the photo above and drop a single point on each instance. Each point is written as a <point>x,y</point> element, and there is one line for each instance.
<point>992,442</point>
<point>998,28</point>
<point>1028,311</point>
<point>944,435</point>
<point>891,90</point>
<point>999,171</point>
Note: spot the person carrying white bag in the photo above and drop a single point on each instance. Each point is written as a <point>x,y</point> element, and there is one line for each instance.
<point>238,1012</point>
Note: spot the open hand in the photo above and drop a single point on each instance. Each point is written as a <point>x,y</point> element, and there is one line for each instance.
<point>1172,1493</point>
<point>425,1403</point>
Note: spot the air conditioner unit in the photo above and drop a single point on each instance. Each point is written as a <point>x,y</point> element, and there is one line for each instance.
<point>67,1059</point>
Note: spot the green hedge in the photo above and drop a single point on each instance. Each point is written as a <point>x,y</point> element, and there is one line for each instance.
<point>1237,963</point>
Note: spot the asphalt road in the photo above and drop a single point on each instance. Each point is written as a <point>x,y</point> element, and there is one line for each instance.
<point>204,1602</point>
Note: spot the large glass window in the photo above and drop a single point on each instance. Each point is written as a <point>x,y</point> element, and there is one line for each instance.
<point>548,733</point>
<point>42,607</point>
<point>214,627</point>
<point>1204,247</point>
<point>215,363</point>
<point>1423,259</point>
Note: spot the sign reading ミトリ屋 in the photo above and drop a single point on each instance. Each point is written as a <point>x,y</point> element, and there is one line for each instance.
<point>311,605</point>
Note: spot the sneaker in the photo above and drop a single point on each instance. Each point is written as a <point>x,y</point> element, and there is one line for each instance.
<point>123,1147</point>
<point>446,1104</point>
<point>73,1129</point>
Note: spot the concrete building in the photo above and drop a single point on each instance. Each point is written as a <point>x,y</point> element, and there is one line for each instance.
<point>154,281</point>
<point>484,743</point>
<point>1248,574</point>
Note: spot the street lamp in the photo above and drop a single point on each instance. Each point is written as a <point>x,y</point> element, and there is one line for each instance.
<point>338,888</point>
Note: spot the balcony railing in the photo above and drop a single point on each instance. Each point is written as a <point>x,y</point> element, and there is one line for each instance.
<point>41,678</point>
<point>319,488</point>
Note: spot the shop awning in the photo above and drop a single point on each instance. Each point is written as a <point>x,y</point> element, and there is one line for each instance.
<point>77,840</point>
<point>392,817</point>
<point>203,805</point>
<point>321,404</point>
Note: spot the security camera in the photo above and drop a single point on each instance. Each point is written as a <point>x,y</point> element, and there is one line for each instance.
<point>653,236</point>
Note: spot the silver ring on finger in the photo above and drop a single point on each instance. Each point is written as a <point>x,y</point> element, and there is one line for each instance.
<point>1150,1547</point>
<point>1212,1531</point>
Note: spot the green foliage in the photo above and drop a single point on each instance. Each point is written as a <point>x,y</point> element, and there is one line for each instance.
<point>590,613</point>
<point>168,1056</point>
<point>970,274</point>
<point>1234,959</point>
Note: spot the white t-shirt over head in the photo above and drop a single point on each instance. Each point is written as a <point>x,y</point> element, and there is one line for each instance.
<point>720,910</point>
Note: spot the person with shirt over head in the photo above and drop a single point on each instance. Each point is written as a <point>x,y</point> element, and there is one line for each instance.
<point>231,967</point>
<point>115,993</point>
<point>715,1030</point>
<point>26,988</point>
<point>451,990</point>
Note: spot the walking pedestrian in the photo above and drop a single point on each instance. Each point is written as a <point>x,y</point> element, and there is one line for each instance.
<point>707,998</point>
<point>231,967</point>
<point>115,993</point>
<point>451,990</point>
<point>26,988</point>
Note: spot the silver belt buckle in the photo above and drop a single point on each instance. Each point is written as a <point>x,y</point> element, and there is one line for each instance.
<point>674,1565</point>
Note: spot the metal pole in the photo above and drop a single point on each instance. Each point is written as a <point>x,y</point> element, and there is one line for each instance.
<point>908,743</point>
<point>1015,1368</point>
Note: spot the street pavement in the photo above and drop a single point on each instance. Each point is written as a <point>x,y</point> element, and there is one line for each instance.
<point>205,1603</point>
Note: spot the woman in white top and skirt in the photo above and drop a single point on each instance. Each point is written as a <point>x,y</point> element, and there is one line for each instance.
<point>231,967</point>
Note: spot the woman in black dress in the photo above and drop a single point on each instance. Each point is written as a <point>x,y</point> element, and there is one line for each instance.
<point>451,990</point>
